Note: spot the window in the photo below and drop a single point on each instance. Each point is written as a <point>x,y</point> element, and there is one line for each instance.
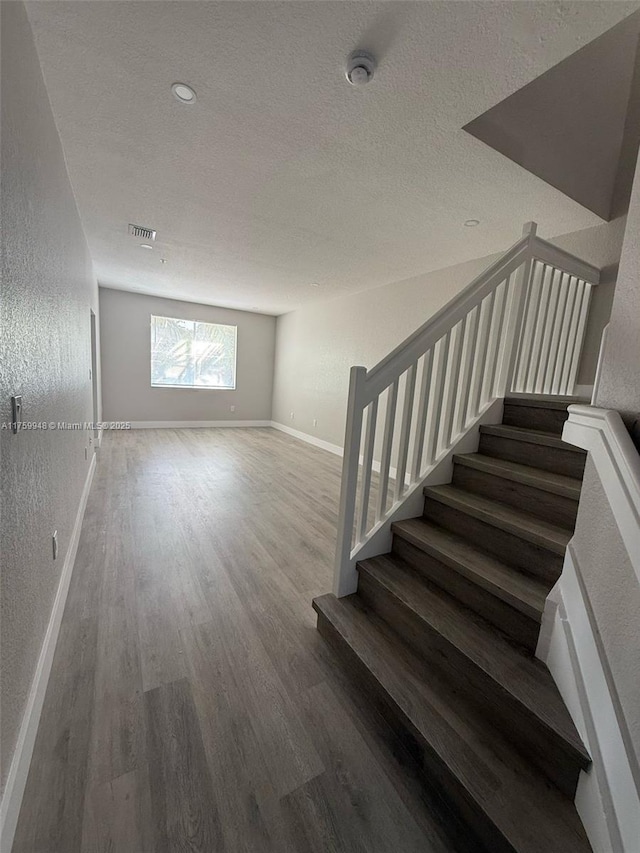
<point>189,354</point>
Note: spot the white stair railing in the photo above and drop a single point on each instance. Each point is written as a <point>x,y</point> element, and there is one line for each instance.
<point>518,327</point>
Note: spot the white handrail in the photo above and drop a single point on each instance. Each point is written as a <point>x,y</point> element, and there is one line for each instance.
<point>519,326</point>
<point>417,344</point>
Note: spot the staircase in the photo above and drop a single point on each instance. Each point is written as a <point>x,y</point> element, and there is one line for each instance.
<point>442,632</point>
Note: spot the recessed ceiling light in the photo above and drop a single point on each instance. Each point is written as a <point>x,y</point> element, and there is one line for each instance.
<point>145,246</point>
<point>471,223</point>
<point>183,93</point>
<point>315,284</point>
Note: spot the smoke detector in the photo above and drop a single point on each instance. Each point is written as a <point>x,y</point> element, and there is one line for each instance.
<point>142,232</point>
<point>360,68</point>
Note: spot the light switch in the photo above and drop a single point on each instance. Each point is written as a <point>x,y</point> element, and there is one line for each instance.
<point>16,413</point>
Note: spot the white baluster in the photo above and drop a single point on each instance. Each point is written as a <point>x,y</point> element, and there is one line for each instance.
<point>387,444</point>
<point>436,414</point>
<point>515,311</point>
<point>549,319</point>
<point>486,310</point>
<point>467,368</point>
<point>538,329</point>
<point>566,386</point>
<point>526,338</point>
<point>451,388</point>
<point>421,422</point>
<point>367,467</point>
<point>558,325</point>
<point>567,313</point>
<point>346,577</point>
<point>405,430</point>
<point>577,349</point>
<point>601,354</point>
<point>495,339</point>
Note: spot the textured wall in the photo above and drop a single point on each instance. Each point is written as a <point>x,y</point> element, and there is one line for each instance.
<point>614,594</point>
<point>611,583</point>
<point>316,346</point>
<point>126,363</point>
<point>48,290</point>
<point>600,246</point>
<point>567,125</point>
<point>620,380</point>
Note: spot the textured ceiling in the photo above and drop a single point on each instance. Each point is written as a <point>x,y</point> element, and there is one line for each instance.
<point>282,175</point>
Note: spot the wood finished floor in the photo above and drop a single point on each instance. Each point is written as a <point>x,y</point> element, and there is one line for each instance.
<point>192,704</point>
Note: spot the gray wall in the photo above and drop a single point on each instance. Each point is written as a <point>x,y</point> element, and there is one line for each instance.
<point>316,346</point>
<point>613,594</point>
<point>620,380</point>
<point>48,289</point>
<point>567,126</point>
<point>127,394</point>
<point>600,246</point>
<point>609,578</point>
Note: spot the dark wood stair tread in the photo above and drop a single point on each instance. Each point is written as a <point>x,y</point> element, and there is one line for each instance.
<point>533,436</point>
<point>522,524</point>
<point>523,677</point>
<point>557,484</point>
<point>543,402</point>
<point>529,814</point>
<point>523,592</point>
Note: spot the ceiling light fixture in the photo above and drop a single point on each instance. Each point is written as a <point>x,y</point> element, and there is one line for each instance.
<point>471,223</point>
<point>360,68</point>
<point>145,246</point>
<point>183,93</point>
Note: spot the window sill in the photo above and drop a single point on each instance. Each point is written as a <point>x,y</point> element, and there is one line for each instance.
<point>195,387</point>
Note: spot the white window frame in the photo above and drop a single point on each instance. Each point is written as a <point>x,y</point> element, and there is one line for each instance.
<point>194,387</point>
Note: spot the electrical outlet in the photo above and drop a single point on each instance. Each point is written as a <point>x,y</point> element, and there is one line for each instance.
<point>54,544</point>
<point>232,408</point>
<point>291,415</point>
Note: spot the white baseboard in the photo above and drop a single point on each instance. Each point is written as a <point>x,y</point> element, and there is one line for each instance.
<point>19,770</point>
<point>310,439</point>
<point>195,424</point>
<point>608,795</point>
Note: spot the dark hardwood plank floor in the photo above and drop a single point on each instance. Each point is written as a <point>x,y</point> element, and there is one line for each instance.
<point>192,704</point>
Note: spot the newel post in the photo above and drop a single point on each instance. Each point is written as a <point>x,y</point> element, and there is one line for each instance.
<point>346,576</point>
<point>515,312</point>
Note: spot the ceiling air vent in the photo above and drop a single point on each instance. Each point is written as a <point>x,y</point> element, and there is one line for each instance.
<point>142,232</point>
